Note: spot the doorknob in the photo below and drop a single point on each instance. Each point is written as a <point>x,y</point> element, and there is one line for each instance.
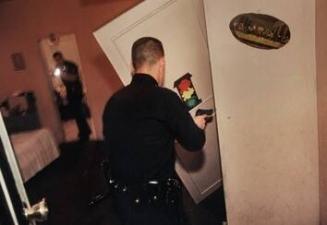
<point>38,212</point>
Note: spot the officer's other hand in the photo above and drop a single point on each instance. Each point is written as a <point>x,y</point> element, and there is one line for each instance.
<point>200,121</point>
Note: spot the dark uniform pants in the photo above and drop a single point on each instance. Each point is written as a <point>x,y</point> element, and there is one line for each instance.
<point>81,119</point>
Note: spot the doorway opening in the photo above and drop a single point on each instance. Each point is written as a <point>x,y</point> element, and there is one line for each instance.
<point>65,73</point>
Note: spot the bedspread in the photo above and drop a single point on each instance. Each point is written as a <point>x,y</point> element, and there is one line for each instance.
<point>34,150</point>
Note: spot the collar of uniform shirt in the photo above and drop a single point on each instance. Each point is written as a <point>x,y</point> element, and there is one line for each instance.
<point>144,78</point>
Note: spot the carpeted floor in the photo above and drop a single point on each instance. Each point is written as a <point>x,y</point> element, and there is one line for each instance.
<point>70,182</point>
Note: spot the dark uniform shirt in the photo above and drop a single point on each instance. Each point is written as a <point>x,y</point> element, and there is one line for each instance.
<point>73,87</point>
<point>141,123</point>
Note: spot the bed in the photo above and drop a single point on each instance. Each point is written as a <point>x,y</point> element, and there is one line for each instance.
<point>34,146</point>
<point>34,151</point>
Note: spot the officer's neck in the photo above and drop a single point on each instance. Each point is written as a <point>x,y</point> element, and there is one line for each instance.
<point>153,71</point>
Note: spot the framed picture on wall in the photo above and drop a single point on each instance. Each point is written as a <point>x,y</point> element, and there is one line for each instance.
<point>18,61</point>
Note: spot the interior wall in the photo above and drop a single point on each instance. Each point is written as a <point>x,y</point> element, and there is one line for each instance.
<point>23,23</point>
<point>321,55</point>
<point>267,115</point>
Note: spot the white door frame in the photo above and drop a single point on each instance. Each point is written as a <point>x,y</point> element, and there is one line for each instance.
<point>15,171</point>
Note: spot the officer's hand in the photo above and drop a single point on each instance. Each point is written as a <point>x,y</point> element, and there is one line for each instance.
<point>200,121</point>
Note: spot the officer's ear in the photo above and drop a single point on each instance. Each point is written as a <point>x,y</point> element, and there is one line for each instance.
<point>132,70</point>
<point>162,62</point>
<point>162,71</point>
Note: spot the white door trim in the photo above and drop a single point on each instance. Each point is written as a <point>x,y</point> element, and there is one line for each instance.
<point>9,151</point>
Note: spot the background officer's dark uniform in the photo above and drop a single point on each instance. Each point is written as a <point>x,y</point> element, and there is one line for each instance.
<point>141,123</point>
<point>75,97</point>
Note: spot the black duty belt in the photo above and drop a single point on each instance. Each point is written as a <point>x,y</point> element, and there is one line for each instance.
<point>163,192</point>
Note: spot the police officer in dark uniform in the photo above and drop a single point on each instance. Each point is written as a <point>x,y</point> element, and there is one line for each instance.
<point>141,123</point>
<point>74,89</point>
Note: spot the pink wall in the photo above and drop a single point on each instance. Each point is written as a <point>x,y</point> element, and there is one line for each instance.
<point>321,56</point>
<point>23,23</point>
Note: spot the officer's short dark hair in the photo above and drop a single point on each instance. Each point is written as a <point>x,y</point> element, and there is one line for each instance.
<point>146,50</point>
<point>57,54</point>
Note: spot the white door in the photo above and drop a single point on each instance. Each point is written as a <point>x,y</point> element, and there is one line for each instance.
<point>267,115</point>
<point>11,171</point>
<point>180,25</point>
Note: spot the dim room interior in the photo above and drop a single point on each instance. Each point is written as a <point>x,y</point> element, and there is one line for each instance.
<point>260,65</point>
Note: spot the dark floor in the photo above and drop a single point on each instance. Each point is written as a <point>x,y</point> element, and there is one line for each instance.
<point>71,181</point>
